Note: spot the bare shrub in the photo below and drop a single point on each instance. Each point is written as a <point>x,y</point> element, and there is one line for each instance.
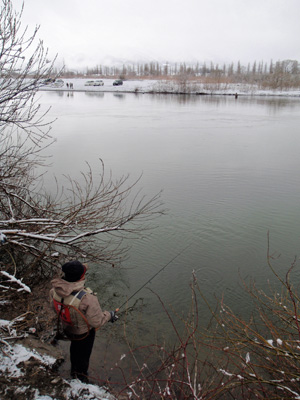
<point>233,357</point>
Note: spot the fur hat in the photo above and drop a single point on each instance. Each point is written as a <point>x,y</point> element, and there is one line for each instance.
<point>73,270</point>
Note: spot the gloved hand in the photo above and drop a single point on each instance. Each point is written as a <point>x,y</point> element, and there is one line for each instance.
<point>114,316</point>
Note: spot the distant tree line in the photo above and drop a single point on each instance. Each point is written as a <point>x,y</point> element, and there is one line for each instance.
<point>276,75</point>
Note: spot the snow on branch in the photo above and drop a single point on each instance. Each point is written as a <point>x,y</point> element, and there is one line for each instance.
<point>12,279</point>
<point>2,238</point>
<point>71,222</point>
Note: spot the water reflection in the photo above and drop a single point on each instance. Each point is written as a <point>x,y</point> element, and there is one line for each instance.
<point>94,94</point>
<point>60,93</point>
<point>120,96</point>
<point>273,103</point>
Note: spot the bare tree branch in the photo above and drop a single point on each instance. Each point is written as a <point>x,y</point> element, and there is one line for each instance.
<point>93,216</point>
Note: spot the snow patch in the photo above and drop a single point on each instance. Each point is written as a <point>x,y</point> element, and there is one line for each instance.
<point>247,358</point>
<point>13,356</point>
<point>94,392</point>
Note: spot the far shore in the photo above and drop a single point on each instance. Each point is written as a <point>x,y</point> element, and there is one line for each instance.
<point>170,87</point>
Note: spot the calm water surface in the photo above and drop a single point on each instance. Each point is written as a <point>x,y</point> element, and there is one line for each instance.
<point>229,170</point>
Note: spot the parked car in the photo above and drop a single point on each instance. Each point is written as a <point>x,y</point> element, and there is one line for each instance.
<point>118,82</point>
<point>89,83</point>
<point>54,82</point>
<point>49,81</point>
<point>99,83</point>
<point>58,83</point>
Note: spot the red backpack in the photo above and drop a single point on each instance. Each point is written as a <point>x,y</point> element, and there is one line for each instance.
<point>67,308</point>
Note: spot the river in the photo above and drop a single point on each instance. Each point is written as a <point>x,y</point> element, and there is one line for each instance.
<point>229,171</point>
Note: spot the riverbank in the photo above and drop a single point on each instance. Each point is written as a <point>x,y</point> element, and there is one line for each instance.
<point>171,87</point>
<point>29,370</point>
<point>29,361</point>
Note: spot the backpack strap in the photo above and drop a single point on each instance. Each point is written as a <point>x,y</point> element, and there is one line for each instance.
<point>77,295</point>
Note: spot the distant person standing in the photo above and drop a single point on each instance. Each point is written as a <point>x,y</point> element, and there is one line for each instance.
<point>80,313</point>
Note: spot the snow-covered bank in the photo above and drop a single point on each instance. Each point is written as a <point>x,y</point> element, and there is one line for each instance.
<point>26,373</point>
<point>173,87</point>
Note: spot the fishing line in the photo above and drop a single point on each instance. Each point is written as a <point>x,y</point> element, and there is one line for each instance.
<point>152,277</point>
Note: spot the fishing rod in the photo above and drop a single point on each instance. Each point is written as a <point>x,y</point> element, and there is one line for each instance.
<point>152,277</point>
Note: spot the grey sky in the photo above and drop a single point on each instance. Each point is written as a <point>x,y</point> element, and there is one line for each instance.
<point>91,32</point>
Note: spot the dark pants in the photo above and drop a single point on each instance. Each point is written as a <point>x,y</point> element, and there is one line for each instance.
<point>80,352</point>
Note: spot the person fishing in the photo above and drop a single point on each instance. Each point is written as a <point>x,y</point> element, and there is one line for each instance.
<point>79,312</point>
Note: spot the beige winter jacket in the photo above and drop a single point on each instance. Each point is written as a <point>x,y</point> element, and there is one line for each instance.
<point>89,307</point>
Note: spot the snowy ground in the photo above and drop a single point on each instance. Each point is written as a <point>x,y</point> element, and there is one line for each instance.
<point>28,374</point>
<point>163,86</point>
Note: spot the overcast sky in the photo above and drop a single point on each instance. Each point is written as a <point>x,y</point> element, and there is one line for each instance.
<point>92,32</point>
